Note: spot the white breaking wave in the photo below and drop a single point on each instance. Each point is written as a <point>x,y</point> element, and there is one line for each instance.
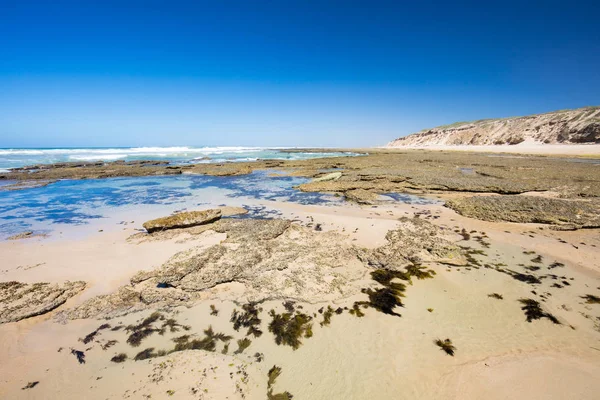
<point>133,151</point>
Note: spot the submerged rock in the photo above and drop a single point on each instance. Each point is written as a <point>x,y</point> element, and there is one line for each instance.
<point>570,214</point>
<point>23,300</point>
<point>182,220</point>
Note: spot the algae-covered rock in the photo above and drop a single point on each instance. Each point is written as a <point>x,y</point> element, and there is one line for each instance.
<point>530,209</point>
<point>183,220</point>
<point>23,300</point>
<point>361,196</point>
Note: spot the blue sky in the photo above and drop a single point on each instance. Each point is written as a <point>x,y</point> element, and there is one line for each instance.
<point>283,73</point>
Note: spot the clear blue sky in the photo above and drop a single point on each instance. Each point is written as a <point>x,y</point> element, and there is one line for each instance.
<point>322,73</point>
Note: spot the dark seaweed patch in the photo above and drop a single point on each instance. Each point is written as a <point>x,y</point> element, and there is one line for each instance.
<point>556,264</point>
<point>591,299</point>
<point>248,318</point>
<point>419,272</point>
<point>496,296</point>
<point>327,314</point>
<point>119,358</point>
<point>533,311</point>
<point>213,310</point>
<point>446,346</point>
<point>243,344</point>
<point>80,355</point>
<point>208,343</point>
<point>274,373</point>
<point>30,385</point>
<point>288,328</point>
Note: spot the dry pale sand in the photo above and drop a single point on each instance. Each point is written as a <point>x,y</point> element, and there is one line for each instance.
<point>499,355</point>
<point>526,147</point>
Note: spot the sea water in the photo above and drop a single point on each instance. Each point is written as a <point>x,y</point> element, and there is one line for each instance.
<point>12,158</point>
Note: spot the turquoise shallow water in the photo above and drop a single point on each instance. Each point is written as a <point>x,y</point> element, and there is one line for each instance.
<point>11,158</point>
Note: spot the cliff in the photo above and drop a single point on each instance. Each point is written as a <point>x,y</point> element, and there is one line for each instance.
<point>581,125</point>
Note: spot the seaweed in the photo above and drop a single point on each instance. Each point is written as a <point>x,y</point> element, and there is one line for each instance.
<point>30,385</point>
<point>119,358</point>
<point>465,235</point>
<point>274,373</point>
<point>92,335</point>
<point>173,326</point>
<point>208,343</point>
<point>384,300</point>
<point>145,354</point>
<point>243,344</point>
<point>419,272</point>
<point>534,311</point>
<point>80,355</point>
<point>144,329</point>
<point>327,314</point>
<point>213,310</point>
<point>556,264</point>
<point>135,339</point>
<point>289,306</point>
<point>496,296</point>
<point>532,268</point>
<point>225,348</point>
<point>537,259</point>
<point>591,299</point>
<point>385,276</point>
<point>109,344</point>
<point>446,346</point>
<point>288,328</point>
<point>356,311</point>
<point>247,319</point>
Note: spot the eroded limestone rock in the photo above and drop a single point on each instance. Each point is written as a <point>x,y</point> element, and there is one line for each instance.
<point>530,209</point>
<point>182,220</point>
<point>23,300</point>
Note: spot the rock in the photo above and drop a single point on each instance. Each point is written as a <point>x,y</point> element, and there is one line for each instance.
<point>23,300</point>
<point>273,259</point>
<point>182,220</point>
<point>361,196</point>
<point>415,241</point>
<point>22,235</point>
<point>228,211</point>
<point>334,176</point>
<point>571,214</point>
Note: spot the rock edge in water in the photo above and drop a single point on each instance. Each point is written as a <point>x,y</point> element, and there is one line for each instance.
<point>183,220</point>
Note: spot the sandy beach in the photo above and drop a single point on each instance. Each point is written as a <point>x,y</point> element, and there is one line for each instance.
<point>200,312</point>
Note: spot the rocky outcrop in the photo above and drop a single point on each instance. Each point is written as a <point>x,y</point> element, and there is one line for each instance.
<point>568,126</point>
<point>23,300</point>
<point>182,220</point>
<point>414,242</point>
<point>273,259</point>
<point>573,214</point>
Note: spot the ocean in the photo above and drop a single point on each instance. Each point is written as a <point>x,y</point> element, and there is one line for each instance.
<point>12,158</point>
